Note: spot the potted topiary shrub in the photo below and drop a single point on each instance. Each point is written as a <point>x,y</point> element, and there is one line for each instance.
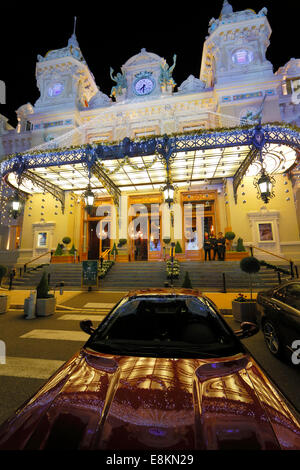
<point>230,236</point>
<point>244,309</point>
<point>3,297</point>
<point>114,251</point>
<point>178,248</point>
<point>66,241</point>
<point>240,246</point>
<point>187,282</point>
<point>73,252</point>
<point>45,302</point>
<point>59,250</point>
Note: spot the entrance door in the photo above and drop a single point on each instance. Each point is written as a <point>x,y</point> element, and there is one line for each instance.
<point>145,227</point>
<point>104,239</point>
<point>140,246</point>
<point>93,251</point>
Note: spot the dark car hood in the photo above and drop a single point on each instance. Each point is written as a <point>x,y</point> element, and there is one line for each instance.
<point>98,401</point>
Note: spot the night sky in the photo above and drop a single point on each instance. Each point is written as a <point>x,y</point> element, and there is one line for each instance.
<point>110,35</point>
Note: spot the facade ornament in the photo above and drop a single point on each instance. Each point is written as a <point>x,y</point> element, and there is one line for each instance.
<point>263,12</point>
<point>99,100</point>
<point>227,15</point>
<point>121,84</point>
<point>165,78</point>
<point>72,50</point>
<point>191,85</point>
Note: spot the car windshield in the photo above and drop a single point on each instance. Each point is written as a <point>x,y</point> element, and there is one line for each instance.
<point>165,326</point>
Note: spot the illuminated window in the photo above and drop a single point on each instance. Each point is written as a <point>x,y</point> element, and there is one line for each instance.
<point>242,57</point>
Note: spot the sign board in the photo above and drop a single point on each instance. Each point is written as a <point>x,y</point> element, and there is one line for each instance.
<point>90,273</point>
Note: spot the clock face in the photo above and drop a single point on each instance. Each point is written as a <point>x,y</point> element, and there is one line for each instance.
<point>56,89</point>
<point>144,86</point>
<point>242,57</point>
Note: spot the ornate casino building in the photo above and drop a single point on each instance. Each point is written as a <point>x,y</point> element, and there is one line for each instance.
<point>155,154</point>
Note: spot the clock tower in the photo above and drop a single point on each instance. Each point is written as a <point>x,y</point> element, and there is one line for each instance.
<point>144,76</point>
<point>234,63</point>
<point>236,47</point>
<point>64,79</point>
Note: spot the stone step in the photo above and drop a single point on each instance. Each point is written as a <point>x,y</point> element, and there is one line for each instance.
<point>123,276</point>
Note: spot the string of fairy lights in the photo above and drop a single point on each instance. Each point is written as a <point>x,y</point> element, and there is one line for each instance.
<point>6,194</point>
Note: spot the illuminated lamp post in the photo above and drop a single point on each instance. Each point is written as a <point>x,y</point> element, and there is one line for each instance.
<point>264,184</point>
<point>168,192</point>
<point>16,205</point>
<point>89,198</point>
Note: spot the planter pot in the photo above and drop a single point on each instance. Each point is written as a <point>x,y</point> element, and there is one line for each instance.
<point>236,255</point>
<point>180,256</point>
<point>45,307</point>
<point>63,259</point>
<point>244,311</point>
<point>3,303</point>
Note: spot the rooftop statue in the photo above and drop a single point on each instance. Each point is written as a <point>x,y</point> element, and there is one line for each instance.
<point>120,81</point>
<point>227,15</point>
<point>165,76</point>
<point>227,9</point>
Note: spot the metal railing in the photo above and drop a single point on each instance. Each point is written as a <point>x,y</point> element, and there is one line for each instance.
<point>105,254</point>
<point>293,267</point>
<point>34,259</point>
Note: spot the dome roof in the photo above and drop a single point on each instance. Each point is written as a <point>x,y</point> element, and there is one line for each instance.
<point>143,57</point>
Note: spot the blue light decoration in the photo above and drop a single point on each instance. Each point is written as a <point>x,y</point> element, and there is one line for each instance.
<point>165,147</point>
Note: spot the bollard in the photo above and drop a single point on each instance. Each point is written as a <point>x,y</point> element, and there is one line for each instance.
<point>2,352</point>
<point>30,306</point>
<point>61,288</point>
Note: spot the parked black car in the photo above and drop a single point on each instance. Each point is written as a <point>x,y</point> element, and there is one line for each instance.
<point>279,318</point>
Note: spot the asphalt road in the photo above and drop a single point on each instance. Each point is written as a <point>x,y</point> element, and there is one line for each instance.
<point>33,353</point>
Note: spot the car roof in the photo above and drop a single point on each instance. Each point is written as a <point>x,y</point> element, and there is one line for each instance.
<point>287,283</point>
<point>165,291</point>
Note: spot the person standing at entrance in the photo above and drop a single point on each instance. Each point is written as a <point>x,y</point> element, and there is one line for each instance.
<point>213,245</point>
<point>206,246</point>
<point>221,246</point>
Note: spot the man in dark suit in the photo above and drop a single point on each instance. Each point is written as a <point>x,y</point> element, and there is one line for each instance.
<point>221,246</point>
<point>213,245</point>
<point>206,246</point>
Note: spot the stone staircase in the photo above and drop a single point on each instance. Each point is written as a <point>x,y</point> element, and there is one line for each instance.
<point>211,275</point>
<point>139,274</point>
<point>70,274</point>
<point>208,276</point>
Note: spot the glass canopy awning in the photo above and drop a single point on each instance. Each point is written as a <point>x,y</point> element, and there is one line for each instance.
<point>149,173</point>
<point>143,165</point>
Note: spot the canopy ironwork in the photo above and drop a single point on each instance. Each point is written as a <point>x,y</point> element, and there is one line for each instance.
<point>227,153</point>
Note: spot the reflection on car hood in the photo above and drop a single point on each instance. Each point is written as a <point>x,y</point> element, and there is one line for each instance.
<point>100,401</point>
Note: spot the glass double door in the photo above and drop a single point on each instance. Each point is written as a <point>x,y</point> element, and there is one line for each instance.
<point>145,234</point>
<point>98,238</point>
<point>199,217</point>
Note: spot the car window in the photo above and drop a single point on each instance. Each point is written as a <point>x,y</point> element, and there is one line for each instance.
<point>174,322</point>
<point>293,295</point>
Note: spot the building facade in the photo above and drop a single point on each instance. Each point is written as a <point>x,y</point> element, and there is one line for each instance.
<point>209,137</point>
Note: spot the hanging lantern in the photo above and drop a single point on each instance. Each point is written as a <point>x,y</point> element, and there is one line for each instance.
<point>16,205</point>
<point>89,198</point>
<point>168,192</point>
<point>264,184</point>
